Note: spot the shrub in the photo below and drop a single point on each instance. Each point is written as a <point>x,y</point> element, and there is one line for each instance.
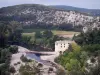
<point>50,69</point>
<point>12,70</point>
<point>18,62</point>
<point>13,49</point>
<point>38,34</point>
<point>91,48</point>
<point>93,60</point>
<point>40,65</point>
<point>24,59</point>
<point>29,70</point>
<point>60,72</point>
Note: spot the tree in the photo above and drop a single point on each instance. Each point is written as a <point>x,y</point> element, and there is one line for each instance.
<point>26,39</point>
<point>3,34</point>
<point>92,37</point>
<point>47,34</point>
<point>13,49</point>
<point>5,49</point>
<point>29,70</point>
<point>15,31</point>
<point>12,70</point>
<point>51,41</point>
<point>73,61</point>
<point>16,36</point>
<point>13,25</point>
<point>91,48</point>
<point>95,70</point>
<point>60,72</point>
<point>70,47</point>
<point>38,34</point>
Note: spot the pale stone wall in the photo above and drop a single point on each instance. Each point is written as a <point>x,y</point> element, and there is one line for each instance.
<point>85,29</point>
<point>61,45</point>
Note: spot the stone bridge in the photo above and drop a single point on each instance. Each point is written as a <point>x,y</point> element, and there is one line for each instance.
<point>41,53</point>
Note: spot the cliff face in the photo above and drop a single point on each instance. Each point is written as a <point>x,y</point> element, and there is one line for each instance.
<point>33,14</point>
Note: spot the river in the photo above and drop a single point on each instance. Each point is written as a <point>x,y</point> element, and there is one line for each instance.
<point>37,58</point>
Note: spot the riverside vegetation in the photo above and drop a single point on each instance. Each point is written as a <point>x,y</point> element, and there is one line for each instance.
<point>11,35</point>
<point>74,60</point>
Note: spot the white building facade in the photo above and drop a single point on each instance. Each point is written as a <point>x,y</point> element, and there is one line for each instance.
<point>61,46</point>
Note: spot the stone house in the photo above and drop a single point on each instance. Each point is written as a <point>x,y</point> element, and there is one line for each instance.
<point>62,45</point>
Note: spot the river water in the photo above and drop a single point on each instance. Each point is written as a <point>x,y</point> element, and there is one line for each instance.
<point>37,58</point>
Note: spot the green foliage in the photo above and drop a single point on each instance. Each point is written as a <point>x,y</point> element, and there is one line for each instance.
<point>92,37</point>
<point>76,47</point>
<point>24,59</point>
<point>3,34</point>
<point>15,30</point>
<point>13,49</point>
<point>47,34</point>
<point>38,34</point>
<point>5,55</point>
<point>60,72</point>
<point>13,26</point>
<point>5,61</point>
<point>51,41</point>
<point>12,70</point>
<point>4,69</point>
<point>9,32</point>
<point>15,36</point>
<point>29,70</point>
<point>73,60</point>
<point>40,65</point>
<point>91,48</point>
<point>47,39</point>
<point>26,39</point>
<point>73,64</point>
<point>74,72</point>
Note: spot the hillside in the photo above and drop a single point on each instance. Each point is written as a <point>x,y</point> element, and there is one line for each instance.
<point>35,15</point>
<point>92,12</point>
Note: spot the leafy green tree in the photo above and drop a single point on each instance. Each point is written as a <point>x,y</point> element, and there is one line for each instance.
<point>13,25</point>
<point>15,31</point>
<point>73,60</point>
<point>60,72</point>
<point>5,61</point>
<point>47,34</point>
<point>91,48</point>
<point>13,49</point>
<point>3,34</point>
<point>92,37</point>
<point>16,36</point>
<point>29,70</point>
<point>26,39</point>
<point>38,34</point>
<point>24,59</point>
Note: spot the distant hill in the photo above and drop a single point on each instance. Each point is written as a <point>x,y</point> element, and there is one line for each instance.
<point>36,15</point>
<point>93,12</point>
